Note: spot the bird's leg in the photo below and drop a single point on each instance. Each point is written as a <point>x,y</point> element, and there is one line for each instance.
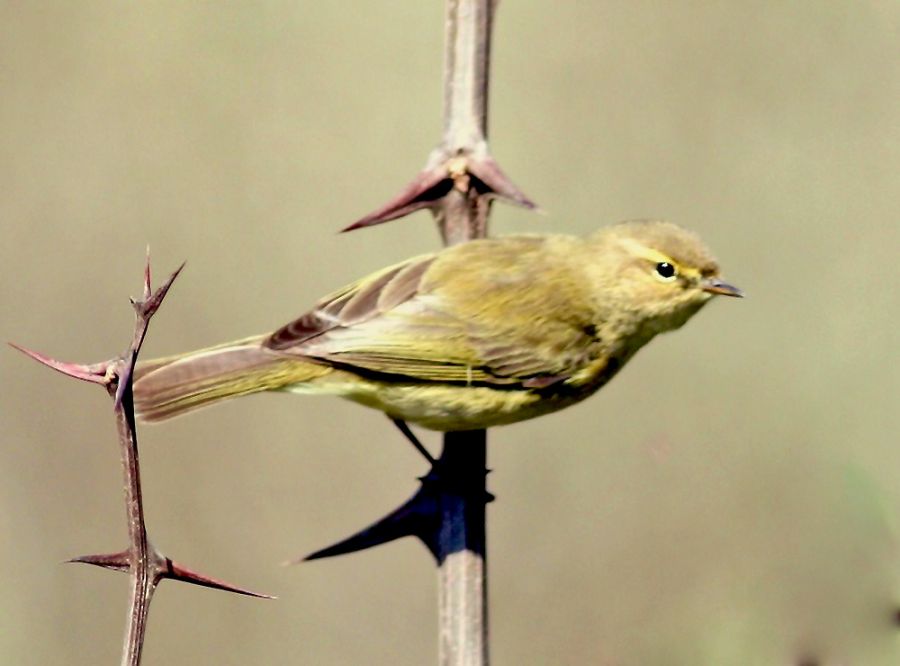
<point>401,425</point>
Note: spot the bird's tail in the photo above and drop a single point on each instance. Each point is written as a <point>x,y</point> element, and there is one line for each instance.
<point>168,387</point>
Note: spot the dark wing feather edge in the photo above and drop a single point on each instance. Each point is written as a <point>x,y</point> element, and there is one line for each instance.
<point>354,304</point>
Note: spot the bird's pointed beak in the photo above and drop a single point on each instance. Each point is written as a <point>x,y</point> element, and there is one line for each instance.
<point>716,286</point>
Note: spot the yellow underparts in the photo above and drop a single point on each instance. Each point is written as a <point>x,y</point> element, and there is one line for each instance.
<point>449,407</point>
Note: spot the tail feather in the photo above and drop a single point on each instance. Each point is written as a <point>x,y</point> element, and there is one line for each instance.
<point>167,387</point>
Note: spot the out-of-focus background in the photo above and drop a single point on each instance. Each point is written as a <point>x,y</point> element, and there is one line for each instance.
<point>731,498</point>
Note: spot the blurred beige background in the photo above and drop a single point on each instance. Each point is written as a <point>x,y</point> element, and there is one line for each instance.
<point>731,498</point>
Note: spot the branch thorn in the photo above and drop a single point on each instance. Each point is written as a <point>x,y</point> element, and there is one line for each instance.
<point>163,567</point>
<point>97,373</point>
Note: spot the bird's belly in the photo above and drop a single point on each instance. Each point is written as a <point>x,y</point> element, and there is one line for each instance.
<point>447,407</point>
<point>443,407</point>
<point>452,407</point>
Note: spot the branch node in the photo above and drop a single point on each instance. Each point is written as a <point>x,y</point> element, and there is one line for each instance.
<point>469,172</point>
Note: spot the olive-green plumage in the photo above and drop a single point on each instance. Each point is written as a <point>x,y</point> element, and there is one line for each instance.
<point>480,334</point>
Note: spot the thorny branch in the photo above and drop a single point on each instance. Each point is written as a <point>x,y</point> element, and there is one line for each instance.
<point>458,185</point>
<point>146,565</point>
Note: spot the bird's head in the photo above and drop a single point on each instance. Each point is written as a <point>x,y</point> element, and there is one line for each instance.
<point>658,273</point>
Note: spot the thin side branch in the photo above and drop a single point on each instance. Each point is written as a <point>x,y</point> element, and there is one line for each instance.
<point>146,565</point>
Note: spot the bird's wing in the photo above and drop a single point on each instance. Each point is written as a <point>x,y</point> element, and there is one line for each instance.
<point>496,313</point>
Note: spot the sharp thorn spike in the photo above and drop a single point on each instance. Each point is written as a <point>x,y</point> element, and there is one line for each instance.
<point>147,275</point>
<point>486,169</point>
<point>151,305</point>
<point>416,517</point>
<point>177,571</point>
<point>114,561</point>
<point>95,373</point>
<point>422,192</point>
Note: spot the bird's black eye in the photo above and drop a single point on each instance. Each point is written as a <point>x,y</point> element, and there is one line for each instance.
<point>665,270</point>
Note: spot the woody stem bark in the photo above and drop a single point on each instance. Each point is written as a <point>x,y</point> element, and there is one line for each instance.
<point>462,215</point>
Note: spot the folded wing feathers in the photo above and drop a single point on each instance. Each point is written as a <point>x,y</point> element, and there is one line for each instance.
<point>173,386</point>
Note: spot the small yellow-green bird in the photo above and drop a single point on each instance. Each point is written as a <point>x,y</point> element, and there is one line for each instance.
<point>480,334</point>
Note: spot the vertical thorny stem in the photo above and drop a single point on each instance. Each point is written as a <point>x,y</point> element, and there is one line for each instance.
<point>462,215</point>
<point>458,184</point>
